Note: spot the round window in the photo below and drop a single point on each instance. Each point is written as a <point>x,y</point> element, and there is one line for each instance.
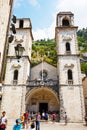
<point>44,74</point>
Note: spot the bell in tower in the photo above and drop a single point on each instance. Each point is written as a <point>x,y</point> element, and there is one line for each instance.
<point>65,19</point>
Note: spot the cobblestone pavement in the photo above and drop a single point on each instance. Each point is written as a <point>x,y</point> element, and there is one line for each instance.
<point>59,126</point>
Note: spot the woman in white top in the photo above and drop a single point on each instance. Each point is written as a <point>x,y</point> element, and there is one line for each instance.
<point>31,125</point>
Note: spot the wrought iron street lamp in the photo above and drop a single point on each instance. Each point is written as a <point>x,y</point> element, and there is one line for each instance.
<point>19,51</point>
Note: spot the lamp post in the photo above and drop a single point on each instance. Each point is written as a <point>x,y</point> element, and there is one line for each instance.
<point>19,51</point>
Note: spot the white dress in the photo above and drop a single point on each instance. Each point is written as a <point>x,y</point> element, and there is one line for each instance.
<point>29,127</point>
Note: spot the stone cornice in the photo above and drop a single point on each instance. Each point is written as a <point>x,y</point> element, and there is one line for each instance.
<point>68,54</point>
<point>12,85</point>
<point>67,27</point>
<point>67,85</point>
<point>14,57</point>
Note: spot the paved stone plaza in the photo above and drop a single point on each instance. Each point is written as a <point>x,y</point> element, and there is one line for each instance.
<point>59,126</point>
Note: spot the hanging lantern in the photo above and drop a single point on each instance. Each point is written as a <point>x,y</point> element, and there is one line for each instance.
<point>19,51</point>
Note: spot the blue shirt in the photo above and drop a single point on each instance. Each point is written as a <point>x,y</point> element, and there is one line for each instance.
<point>17,127</point>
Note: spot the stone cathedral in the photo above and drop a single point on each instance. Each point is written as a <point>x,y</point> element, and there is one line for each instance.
<point>44,87</point>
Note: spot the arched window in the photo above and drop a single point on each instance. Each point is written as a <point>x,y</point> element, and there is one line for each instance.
<point>70,77</point>
<point>15,78</point>
<point>67,47</point>
<point>65,22</point>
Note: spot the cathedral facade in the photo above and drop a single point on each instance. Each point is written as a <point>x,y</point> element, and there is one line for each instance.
<point>45,87</point>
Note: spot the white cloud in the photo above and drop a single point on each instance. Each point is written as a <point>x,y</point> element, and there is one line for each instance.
<point>78,7</point>
<point>45,33</point>
<point>17,3</point>
<point>34,2</point>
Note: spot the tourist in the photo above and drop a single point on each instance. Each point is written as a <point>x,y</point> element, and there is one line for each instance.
<point>3,121</point>
<point>65,118</point>
<point>31,115</point>
<point>17,126</point>
<point>31,125</point>
<point>53,117</point>
<point>46,116</point>
<point>43,115</point>
<point>22,121</point>
<point>26,117</point>
<point>86,119</point>
<point>38,117</point>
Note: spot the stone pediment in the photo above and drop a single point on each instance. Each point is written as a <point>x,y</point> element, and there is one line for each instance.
<point>19,39</point>
<point>67,37</point>
<point>69,65</point>
<point>16,66</point>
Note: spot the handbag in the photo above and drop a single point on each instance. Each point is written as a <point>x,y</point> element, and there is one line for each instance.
<point>2,126</point>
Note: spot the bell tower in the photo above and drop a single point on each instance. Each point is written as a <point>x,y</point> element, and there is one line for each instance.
<point>17,70</point>
<point>68,66</point>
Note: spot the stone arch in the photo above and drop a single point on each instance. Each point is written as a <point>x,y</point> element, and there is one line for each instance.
<point>69,73</point>
<point>65,21</point>
<point>43,95</point>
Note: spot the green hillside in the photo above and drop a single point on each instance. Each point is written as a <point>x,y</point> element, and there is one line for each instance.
<point>47,50</point>
<point>82,40</point>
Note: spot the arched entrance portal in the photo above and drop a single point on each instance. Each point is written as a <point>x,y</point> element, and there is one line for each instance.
<point>42,99</point>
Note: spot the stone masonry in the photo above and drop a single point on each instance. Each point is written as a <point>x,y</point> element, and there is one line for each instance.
<point>5,14</point>
<point>14,91</point>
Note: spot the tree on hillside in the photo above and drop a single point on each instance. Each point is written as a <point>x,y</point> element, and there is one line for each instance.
<point>84,68</point>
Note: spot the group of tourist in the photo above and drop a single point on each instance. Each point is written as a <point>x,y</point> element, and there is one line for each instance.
<point>28,120</point>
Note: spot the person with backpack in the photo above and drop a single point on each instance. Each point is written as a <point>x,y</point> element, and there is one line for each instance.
<point>3,121</point>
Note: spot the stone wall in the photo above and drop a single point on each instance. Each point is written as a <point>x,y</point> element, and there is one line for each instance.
<point>5,8</point>
<point>85,92</point>
<point>51,71</point>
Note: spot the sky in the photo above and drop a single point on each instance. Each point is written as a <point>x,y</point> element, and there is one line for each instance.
<point>42,14</point>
